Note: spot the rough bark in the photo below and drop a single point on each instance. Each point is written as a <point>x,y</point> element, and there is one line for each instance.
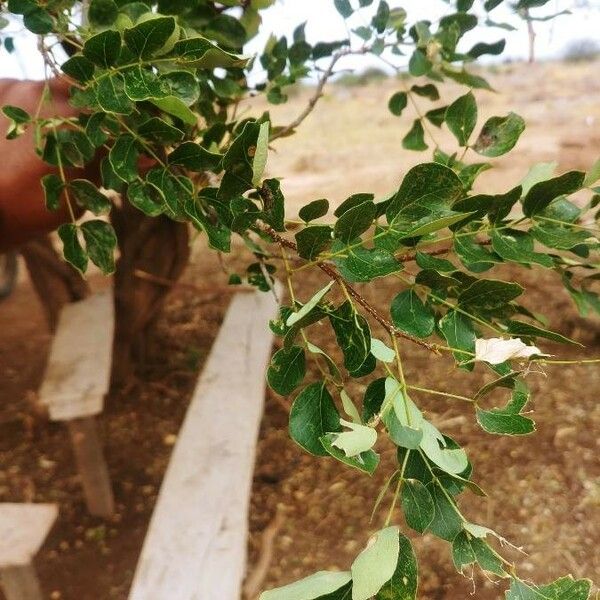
<point>55,282</point>
<point>158,246</point>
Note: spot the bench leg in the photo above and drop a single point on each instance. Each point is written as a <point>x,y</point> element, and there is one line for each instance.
<point>92,467</point>
<point>20,583</point>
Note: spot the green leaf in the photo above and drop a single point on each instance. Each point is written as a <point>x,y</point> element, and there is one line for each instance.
<point>314,587</point>
<point>351,202</point>
<point>273,204</point>
<point>287,370</point>
<point>433,223</point>
<point>359,439</point>
<point>429,187</point>
<point>19,119</point>
<point>565,588</point>
<point>415,138</point>
<point>79,68</point>
<point>541,194</point>
<point>465,78</point>
<point>373,399</point>
<point>482,48</point>
<point>103,49</point>
<point>593,174</point>
<point>353,335</point>
<point>502,423</point>
<point>398,103</point>
<point>365,264</point>
<point>434,445</point>
<point>219,236</point>
<point>314,210</point>
<point>102,12</point>
<point>497,206</point>
<point>469,173</point>
<point>489,293</point>
<point>419,64</point>
<point>404,582</point>
<point>355,221</point>
<point>461,118</point>
<point>427,261</point>
<point>517,246</point>
<point>123,157</point>
<point>38,21</point>
<point>90,197</point>
<point>158,130</point>
<point>508,420</point>
<point>376,564</point>
<point>195,157</point>
<point>344,8</point>
<point>518,328</point>
<point>175,107</point>
<point>458,331</point>
<point>473,255</point>
<point>313,414</point>
<point>417,505</point>
<point>146,197</point>
<point>411,316</point>
<point>331,364</point>
<point>426,91</point>
<point>401,416</point>
<point>182,85</point>
<point>309,306</point>
<point>111,96</point>
<point>436,116</point>
<point>382,352</point>
<point>151,36</point>
<point>142,84</point>
<point>238,162</point>
<point>380,22</point>
<point>468,550</point>
<point>313,240</point>
<point>499,135</point>
<point>100,242</point>
<point>200,53</point>
<point>261,152</point>
<point>559,237</point>
<point>539,172</point>
<point>53,187</point>
<point>366,462</point>
<point>447,522</point>
<point>349,407</point>
<point>72,249</point>
<point>177,190</point>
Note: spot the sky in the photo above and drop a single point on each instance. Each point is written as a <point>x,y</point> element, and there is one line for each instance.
<point>325,24</point>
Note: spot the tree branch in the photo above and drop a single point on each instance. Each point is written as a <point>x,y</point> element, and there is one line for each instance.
<point>333,274</point>
<point>318,91</point>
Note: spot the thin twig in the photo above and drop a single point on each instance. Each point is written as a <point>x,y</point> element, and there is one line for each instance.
<point>318,90</point>
<point>170,283</point>
<point>256,579</point>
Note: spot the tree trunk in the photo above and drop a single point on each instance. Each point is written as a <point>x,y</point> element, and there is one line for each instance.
<point>55,281</point>
<point>531,35</point>
<point>154,245</point>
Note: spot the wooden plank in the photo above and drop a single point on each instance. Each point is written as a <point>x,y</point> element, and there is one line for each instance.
<point>78,370</point>
<point>92,467</point>
<point>195,548</point>
<point>23,529</point>
<point>20,583</point>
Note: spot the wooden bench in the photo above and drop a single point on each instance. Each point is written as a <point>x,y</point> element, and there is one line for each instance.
<point>75,383</point>
<point>195,548</point>
<point>23,529</point>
